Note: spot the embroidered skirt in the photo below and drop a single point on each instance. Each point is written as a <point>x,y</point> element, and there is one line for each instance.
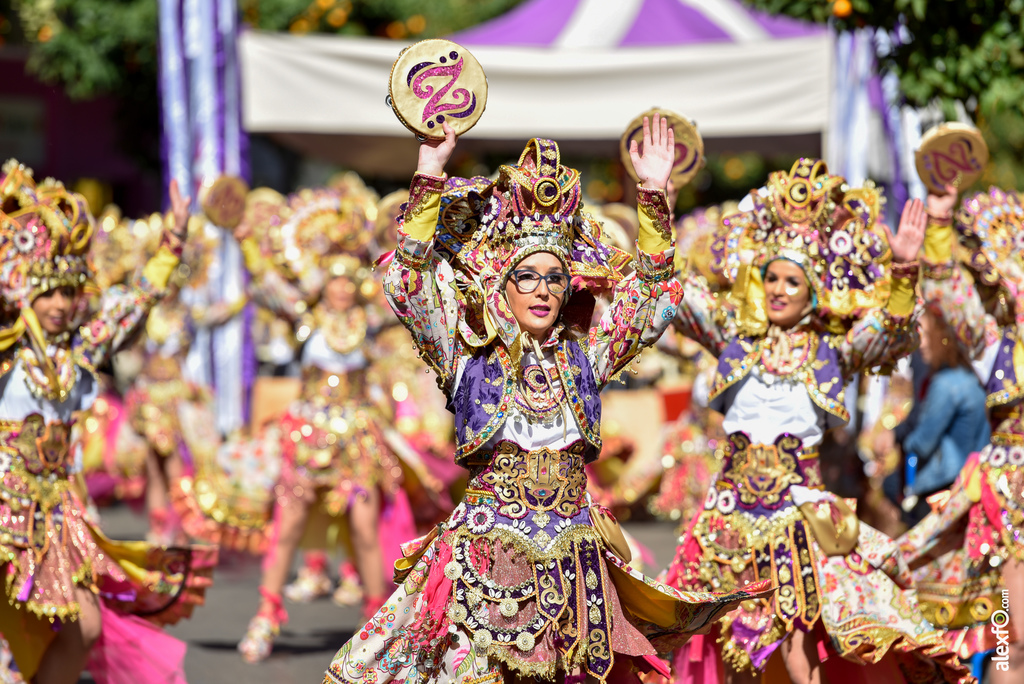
<point>521,578</point>
<point>49,547</point>
<point>957,552</point>
<point>766,516</point>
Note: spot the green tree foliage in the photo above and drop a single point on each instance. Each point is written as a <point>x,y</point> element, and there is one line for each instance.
<point>971,51</point>
<point>946,50</point>
<point>110,47</point>
<point>93,47</point>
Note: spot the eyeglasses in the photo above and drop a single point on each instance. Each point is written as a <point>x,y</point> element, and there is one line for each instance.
<point>528,281</point>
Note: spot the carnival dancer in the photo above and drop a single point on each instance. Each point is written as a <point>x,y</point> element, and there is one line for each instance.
<point>335,460</point>
<point>174,415</point>
<point>69,588</point>
<point>968,554</point>
<point>494,280</point>
<point>813,308</point>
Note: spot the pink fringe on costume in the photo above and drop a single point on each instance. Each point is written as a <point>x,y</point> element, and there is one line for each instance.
<point>131,650</point>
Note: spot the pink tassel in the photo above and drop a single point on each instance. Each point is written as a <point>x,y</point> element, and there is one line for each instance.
<point>433,619</point>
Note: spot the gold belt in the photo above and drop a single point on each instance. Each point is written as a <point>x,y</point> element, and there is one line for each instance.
<point>535,480</point>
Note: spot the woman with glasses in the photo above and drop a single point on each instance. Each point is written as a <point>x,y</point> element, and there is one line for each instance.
<point>527,578</point>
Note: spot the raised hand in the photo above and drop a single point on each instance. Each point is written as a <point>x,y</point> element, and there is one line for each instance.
<point>906,243</point>
<point>180,209</point>
<point>941,206</point>
<point>434,154</point>
<point>654,166</point>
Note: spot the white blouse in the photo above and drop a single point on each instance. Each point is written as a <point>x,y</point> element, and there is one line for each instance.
<point>767,406</point>
<point>318,353</point>
<point>18,402</point>
<point>529,432</point>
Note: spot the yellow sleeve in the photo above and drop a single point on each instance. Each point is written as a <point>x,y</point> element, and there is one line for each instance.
<point>158,270</point>
<point>655,235</point>
<point>420,219</point>
<point>938,241</point>
<point>254,261</point>
<point>904,289</point>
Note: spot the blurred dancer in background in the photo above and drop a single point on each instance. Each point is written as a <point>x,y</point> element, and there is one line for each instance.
<point>969,551</point>
<point>72,593</point>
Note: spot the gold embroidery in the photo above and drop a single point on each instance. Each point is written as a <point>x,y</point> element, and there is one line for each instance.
<point>539,480</point>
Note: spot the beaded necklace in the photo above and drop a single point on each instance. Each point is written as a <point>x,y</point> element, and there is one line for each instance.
<point>38,381</point>
<point>784,352</point>
<point>344,331</point>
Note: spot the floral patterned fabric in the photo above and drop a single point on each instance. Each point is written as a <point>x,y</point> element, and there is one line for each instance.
<point>521,579</point>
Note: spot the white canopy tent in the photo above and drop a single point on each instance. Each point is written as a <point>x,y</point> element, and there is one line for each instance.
<point>565,69</point>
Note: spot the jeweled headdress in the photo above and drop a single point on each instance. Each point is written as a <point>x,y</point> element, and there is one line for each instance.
<point>991,228</point>
<point>487,227</point>
<point>324,223</point>
<point>814,219</point>
<point>45,232</point>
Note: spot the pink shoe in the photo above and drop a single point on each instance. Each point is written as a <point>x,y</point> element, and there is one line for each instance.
<point>263,629</point>
<point>259,638</point>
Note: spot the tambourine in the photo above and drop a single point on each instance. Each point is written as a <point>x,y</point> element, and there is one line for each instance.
<point>951,153</point>
<point>689,145</point>
<point>437,81</point>
<point>223,201</point>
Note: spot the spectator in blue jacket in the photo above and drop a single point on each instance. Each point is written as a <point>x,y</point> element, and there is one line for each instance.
<point>952,422</point>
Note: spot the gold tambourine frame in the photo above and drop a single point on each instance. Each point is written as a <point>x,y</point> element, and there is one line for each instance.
<point>951,153</point>
<point>457,93</point>
<point>689,145</point>
<point>223,201</point>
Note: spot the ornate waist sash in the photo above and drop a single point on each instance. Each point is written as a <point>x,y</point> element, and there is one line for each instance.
<point>539,481</point>
<point>44,448</point>
<point>761,474</point>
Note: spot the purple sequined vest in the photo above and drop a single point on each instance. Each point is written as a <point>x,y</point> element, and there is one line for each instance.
<point>1003,386</point>
<point>488,386</point>
<point>824,379</point>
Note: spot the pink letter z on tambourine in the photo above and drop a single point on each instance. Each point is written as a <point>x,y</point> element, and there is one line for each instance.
<point>436,81</point>
<point>951,153</point>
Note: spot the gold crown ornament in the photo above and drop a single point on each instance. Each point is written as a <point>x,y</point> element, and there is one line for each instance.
<point>815,220</point>
<point>486,227</point>
<point>44,237</point>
